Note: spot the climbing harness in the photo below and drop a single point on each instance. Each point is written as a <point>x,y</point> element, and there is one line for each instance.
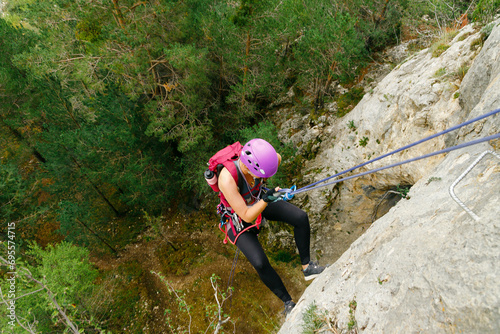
<point>316,185</point>
<point>230,219</point>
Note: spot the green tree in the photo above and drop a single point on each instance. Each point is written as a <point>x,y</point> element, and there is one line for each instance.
<point>267,131</point>
<point>121,103</point>
<point>21,196</point>
<point>328,49</point>
<point>53,293</point>
<point>181,113</point>
<point>95,156</point>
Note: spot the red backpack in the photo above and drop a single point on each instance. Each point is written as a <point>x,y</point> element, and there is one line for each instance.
<point>226,158</point>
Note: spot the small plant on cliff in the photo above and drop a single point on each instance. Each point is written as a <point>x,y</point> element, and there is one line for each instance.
<point>487,29</point>
<point>439,50</point>
<point>314,320</point>
<point>439,73</point>
<point>363,141</point>
<point>432,179</point>
<point>352,324</point>
<point>442,44</point>
<point>461,72</point>
<point>382,280</point>
<point>318,321</point>
<point>403,191</point>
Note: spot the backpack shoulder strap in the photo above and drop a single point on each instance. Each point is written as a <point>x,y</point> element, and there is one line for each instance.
<point>226,158</point>
<point>230,166</point>
<point>232,169</point>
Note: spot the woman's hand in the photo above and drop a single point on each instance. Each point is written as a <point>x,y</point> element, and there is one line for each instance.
<point>272,195</point>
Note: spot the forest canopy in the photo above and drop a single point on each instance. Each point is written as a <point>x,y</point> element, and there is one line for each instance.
<point>117,105</point>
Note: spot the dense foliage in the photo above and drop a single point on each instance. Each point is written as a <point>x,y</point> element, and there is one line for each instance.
<point>122,103</point>
<point>59,277</point>
<point>110,109</point>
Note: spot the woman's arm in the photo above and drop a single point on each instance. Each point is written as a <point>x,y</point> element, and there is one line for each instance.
<point>230,191</point>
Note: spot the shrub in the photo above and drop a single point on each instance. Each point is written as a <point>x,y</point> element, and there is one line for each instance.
<point>363,141</point>
<point>349,100</point>
<point>486,10</point>
<point>439,50</point>
<point>267,131</point>
<point>441,72</point>
<point>60,280</point>
<point>461,72</point>
<point>88,30</point>
<point>314,319</point>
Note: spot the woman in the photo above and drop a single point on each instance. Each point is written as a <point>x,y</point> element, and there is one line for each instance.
<point>258,161</point>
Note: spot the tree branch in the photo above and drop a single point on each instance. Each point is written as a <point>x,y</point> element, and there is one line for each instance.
<point>119,15</point>
<point>73,328</point>
<point>17,319</point>
<point>28,275</point>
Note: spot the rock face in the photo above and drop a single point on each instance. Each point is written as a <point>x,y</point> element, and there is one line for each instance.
<point>426,266</point>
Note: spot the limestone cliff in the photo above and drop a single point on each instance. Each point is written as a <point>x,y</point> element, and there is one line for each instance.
<point>425,266</point>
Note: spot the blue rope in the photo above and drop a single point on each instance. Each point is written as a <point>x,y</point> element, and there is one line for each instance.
<point>473,142</point>
<point>313,185</point>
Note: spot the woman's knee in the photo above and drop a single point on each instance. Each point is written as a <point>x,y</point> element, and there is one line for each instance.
<point>261,264</point>
<point>301,219</point>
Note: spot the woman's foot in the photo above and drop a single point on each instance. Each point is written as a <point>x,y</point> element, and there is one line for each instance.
<point>289,305</point>
<point>312,270</point>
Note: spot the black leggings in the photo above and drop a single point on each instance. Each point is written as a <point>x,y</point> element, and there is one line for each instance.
<point>249,244</point>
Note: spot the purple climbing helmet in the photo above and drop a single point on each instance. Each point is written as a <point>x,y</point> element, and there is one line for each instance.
<point>260,157</point>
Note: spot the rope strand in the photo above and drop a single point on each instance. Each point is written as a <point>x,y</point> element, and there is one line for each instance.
<point>473,142</point>
<point>312,185</point>
<point>231,277</point>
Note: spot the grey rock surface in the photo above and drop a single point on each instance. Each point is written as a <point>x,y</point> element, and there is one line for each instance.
<point>426,266</point>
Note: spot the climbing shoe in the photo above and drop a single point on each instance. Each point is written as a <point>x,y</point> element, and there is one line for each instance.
<point>313,270</point>
<point>289,305</point>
